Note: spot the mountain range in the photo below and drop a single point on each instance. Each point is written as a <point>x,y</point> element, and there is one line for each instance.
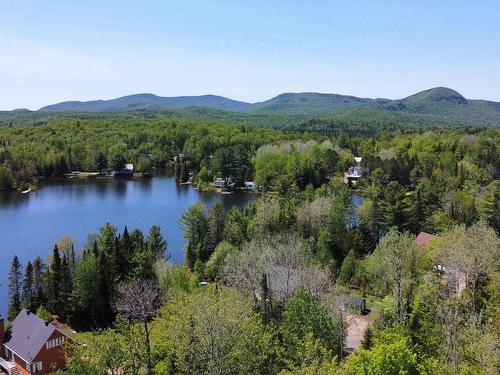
<point>438,103</point>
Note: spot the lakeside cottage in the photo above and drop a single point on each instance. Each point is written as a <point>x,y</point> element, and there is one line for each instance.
<point>354,173</point>
<point>127,171</point>
<point>32,345</point>
<point>223,183</point>
<point>250,185</point>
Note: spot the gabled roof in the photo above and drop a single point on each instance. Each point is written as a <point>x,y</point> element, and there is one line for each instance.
<point>28,335</point>
<point>424,238</point>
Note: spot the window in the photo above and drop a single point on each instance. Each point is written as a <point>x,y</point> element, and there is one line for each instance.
<point>37,366</point>
<point>55,342</point>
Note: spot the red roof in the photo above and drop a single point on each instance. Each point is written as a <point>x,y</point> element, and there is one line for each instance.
<point>424,238</point>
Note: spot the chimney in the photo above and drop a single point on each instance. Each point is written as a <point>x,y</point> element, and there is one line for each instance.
<point>2,334</point>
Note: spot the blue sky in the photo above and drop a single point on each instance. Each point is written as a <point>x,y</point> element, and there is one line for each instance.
<point>52,50</point>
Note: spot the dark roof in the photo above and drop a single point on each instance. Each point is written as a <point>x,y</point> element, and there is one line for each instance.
<point>424,238</point>
<point>28,335</point>
<point>352,301</point>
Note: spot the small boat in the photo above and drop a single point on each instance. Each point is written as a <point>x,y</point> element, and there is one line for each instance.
<point>26,191</point>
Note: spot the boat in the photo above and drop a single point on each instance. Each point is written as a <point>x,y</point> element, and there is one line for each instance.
<point>26,191</point>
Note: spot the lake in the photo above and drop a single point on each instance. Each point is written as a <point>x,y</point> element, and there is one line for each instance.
<point>31,224</point>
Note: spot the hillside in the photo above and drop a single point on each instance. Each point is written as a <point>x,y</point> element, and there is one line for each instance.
<point>147,101</point>
<point>437,105</point>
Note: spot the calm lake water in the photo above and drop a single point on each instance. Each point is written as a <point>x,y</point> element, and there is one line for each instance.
<point>31,224</point>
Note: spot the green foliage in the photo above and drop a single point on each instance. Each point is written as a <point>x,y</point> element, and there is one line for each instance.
<point>6,179</point>
<point>211,330</point>
<point>43,313</point>
<point>392,353</point>
<point>304,316</point>
<point>216,260</point>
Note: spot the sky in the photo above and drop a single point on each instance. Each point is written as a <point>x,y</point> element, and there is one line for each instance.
<point>52,51</point>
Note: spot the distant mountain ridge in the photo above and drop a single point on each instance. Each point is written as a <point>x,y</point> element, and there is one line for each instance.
<point>438,102</point>
<point>147,101</point>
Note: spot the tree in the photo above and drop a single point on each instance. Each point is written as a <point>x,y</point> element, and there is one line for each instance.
<point>215,229</point>
<point>281,258</point>
<point>213,331</point>
<point>194,225</point>
<point>118,161</point>
<point>304,315</point>
<point>54,302</point>
<point>348,268</point>
<point>86,289</point>
<point>490,206</point>
<point>214,265</point>
<point>38,282</point>
<point>6,179</point>
<point>28,295</point>
<point>471,252</point>
<point>140,301</point>
<point>14,289</point>
<point>392,353</point>
<point>155,242</point>
<point>66,288</point>
<point>394,263</point>
<point>235,226</point>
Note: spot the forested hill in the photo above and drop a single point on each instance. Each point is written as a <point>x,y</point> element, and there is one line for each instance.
<point>436,105</point>
<point>147,101</point>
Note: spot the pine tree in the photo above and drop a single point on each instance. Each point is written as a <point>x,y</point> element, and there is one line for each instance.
<point>215,229</point>
<point>127,245</point>
<point>155,242</point>
<point>14,289</point>
<point>54,278</point>
<point>38,284</point>
<point>66,288</point>
<point>104,289</point>
<point>490,207</point>
<point>28,290</point>
<point>118,261</point>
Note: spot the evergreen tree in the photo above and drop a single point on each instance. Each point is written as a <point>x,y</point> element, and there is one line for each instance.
<point>119,266</point>
<point>126,245</point>
<point>38,284</point>
<point>28,290</point>
<point>55,278</point>
<point>194,225</point>
<point>215,229</point>
<point>66,288</point>
<point>490,207</point>
<point>104,291</point>
<point>155,242</point>
<point>14,289</point>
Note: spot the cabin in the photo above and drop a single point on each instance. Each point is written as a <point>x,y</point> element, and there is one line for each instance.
<point>223,183</point>
<point>32,345</point>
<point>354,173</point>
<point>424,238</point>
<point>249,185</point>
<point>127,171</point>
<point>351,303</point>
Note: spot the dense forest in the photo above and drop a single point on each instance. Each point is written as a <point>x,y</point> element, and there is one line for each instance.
<point>262,286</point>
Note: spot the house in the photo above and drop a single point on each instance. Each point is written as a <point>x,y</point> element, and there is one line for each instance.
<point>32,345</point>
<point>250,185</point>
<point>126,171</point>
<point>223,183</point>
<point>424,238</point>
<point>351,303</point>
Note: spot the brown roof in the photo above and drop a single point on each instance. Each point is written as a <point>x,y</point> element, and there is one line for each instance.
<point>424,238</point>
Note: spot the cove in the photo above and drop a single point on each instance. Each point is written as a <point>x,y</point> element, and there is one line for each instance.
<point>30,224</point>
